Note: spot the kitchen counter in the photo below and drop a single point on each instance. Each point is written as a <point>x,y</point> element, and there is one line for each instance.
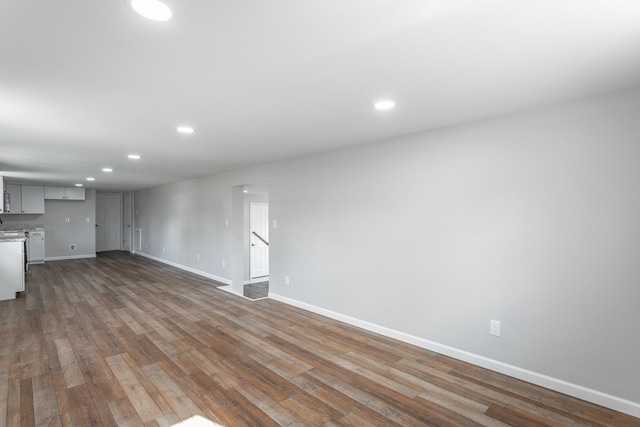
<point>21,227</point>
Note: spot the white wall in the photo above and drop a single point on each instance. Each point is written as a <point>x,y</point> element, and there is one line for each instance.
<point>59,234</point>
<point>530,219</point>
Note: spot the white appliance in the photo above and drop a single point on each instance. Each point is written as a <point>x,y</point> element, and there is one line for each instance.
<point>11,266</point>
<point>35,246</point>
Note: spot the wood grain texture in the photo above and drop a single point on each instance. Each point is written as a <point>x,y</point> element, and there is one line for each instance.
<point>124,341</point>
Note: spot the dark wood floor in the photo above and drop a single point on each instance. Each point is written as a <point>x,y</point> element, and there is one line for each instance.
<point>122,340</point>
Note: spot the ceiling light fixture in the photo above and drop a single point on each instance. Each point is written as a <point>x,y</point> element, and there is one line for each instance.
<point>107,170</point>
<point>78,185</point>
<point>134,156</point>
<point>386,104</point>
<point>185,129</point>
<point>154,10</point>
<point>91,179</point>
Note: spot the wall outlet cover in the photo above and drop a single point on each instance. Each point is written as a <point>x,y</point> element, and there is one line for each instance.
<point>494,327</point>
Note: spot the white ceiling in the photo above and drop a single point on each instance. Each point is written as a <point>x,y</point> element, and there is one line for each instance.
<point>84,83</point>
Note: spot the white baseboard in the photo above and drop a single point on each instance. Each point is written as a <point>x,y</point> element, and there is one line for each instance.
<point>184,267</point>
<point>590,395</point>
<point>60,258</point>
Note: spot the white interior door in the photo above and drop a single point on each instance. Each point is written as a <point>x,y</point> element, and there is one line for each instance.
<point>259,238</point>
<point>108,221</point>
<point>126,212</point>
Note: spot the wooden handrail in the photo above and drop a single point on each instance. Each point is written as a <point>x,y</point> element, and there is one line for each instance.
<point>260,237</point>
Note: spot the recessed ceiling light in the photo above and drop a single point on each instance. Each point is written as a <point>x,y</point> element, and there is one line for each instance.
<point>184,129</point>
<point>154,10</point>
<point>78,185</point>
<point>134,156</point>
<point>107,170</point>
<point>386,104</point>
<point>91,179</point>
<point>245,191</point>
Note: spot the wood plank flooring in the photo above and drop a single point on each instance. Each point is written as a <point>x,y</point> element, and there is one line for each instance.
<point>124,341</point>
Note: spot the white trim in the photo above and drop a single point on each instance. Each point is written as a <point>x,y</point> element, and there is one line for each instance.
<point>590,395</point>
<point>184,267</point>
<point>60,258</point>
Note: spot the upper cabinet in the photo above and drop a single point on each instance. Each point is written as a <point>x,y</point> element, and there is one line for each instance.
<point>32,199</point>
<point>15,198</point>
<point>64,193</point>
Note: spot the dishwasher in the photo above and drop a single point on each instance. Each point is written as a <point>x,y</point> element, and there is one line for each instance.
<point>35,246</point>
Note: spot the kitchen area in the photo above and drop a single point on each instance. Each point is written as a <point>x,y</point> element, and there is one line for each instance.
<point>39,224</point>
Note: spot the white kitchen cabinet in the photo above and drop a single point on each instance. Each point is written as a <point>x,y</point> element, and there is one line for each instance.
<point>26,199</point>
<point>74,193</point>
<point>32,199</point>
<point>64,193</point>
<point>15,194</point>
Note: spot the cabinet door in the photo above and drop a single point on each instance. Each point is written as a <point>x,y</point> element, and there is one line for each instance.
<point>36,249</point>
<point>15,193</point>
<point>75,193</point>
<point>55,193</point>
<point>32,199</point>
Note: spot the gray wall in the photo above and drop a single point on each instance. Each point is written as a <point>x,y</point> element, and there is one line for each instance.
<point>530,219</point>
<point>59,234</point>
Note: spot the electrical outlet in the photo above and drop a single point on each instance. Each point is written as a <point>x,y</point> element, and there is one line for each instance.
<point>286,280</point>
<point>88,220</point>
<point>163,249</point>
<point>67,219</point>
<point>494,327</point>
<point>72,247</point>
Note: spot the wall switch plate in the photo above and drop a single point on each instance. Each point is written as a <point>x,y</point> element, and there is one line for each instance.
<point>88,220</point>
<point>198,257</point>
<point>67,219</point>
<point>275,224</point>
<point>224,264</point>
<point>286,280</point>
<point>226,222</point>
<point>494,327</point>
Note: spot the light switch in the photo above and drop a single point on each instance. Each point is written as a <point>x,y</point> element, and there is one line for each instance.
<point>275,224</point>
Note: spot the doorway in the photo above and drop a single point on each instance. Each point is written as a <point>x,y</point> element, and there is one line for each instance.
<point>108,222</point>
<point>259,241</point>
<point>250,274</point>
<point>126,222</point>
